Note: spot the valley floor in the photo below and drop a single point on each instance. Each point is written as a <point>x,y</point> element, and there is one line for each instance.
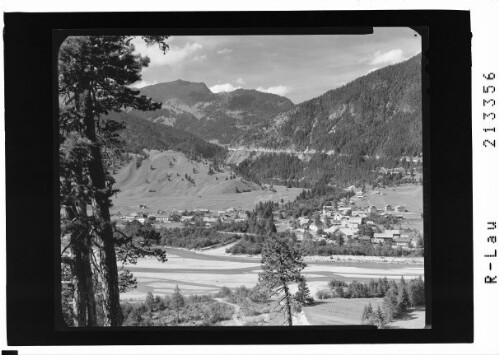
<point>205,273</point>
<point>239,201</point>
<point>221,251</point>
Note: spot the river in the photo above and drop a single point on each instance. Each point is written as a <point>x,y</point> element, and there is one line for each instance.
<point>201,273</point>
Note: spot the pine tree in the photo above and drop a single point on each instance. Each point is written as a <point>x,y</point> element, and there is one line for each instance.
<point>94,77</point>
<point>380,318</point>
<point>367,314</point>
<point>416,292</point>
<point>403,302</point>
<point>281,266</point>
<point>149,302</point>
<point>403,283</point>
<point>75,226</point>
<point>127,281</point>
<point>303,293</point>
<point>177,302</point>
<point>390,305</point>
<point>270,225</point>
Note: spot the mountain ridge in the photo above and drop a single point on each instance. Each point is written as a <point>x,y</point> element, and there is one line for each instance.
<point>222,117</point>
<point>376,114</point>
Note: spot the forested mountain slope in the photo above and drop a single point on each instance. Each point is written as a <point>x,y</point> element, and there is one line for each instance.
<point>377,114</point>
<point>140,134</point>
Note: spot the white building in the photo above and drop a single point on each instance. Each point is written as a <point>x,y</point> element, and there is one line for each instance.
<point>348,232</point>
<point>210,219</point>
<point>344,210</point>
<point>331,229</point>
<point>386,235</point>
<point>303,220</point>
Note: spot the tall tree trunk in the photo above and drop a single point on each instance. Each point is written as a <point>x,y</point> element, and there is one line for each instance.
<point>83,294</point>
<point>100,203</point>
<point>287,299</point>
<point>86,255</point>
<point>89,285</point>
<point>79,285</point>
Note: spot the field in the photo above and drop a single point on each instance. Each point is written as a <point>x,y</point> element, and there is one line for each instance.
<point>348,311</point>
<point>338,311</point>
<point>240,201</point>
<point>410,196</point>
<point>414,319</point>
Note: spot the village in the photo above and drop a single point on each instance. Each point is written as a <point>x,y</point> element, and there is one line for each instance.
<point>350,220</point>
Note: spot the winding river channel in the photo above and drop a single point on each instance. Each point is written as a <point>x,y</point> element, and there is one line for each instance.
<point>203,273</point>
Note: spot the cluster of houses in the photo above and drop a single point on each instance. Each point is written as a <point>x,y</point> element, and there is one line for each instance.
<point>347,220</point>
<point>185,216</point>
<point>342,218</point>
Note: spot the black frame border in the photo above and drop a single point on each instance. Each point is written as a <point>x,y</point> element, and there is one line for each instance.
<point>32,258</point>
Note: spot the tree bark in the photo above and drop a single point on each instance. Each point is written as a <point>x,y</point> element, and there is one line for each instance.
<point>79,285</point>
<point>86,255</point>
<point>287,298</point>
<point>100,204</point>
<point>83,294</point>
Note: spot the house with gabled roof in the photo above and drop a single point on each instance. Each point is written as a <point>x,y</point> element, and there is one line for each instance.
<point>404,242</point>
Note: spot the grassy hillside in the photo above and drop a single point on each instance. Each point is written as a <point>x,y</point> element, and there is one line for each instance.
<point>172,173</point>
<point>160,182</point>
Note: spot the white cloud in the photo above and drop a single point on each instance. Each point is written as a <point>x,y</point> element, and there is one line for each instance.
<point>199,58</point>
<point>278,90</point>
<point>390,57</point>
<point>142,83</point>
<point>173,56</point>
<point>224,51</point>
<point>240,81</point>
<point>227,87</point>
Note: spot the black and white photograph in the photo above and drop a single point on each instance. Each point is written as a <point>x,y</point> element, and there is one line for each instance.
<point>242,180</point>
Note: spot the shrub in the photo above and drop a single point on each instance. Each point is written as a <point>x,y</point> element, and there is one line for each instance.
<point>323,294</point>
<point>260,295</point>
<point>334,283</point>
<point>224,292</point>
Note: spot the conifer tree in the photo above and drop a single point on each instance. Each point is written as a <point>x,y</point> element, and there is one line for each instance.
<point>177,302</point>
<point>379,318</point>
<point>367,314</point>
<point>403,302</point>
<point>416,292</point>
<point>94,75</point>
<point>390,305</point>
<point>282,264</point>
<point>149,302</point>
<point>303,294</point>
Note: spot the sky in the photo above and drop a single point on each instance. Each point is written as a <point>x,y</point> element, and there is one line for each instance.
<point>299,67</point>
